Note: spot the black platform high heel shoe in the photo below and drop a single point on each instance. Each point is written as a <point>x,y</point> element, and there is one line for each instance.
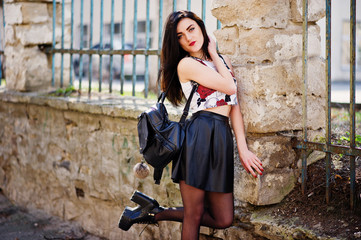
<point>144,213</point>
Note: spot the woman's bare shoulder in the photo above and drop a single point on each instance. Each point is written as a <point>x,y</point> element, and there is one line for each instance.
<point>185,62</point>
<point>186,67</point>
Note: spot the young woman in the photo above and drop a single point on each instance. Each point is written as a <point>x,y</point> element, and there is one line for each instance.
<point>204,169</point>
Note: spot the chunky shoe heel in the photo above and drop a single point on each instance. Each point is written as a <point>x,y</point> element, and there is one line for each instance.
<point>143,200</point>
<point>147,203</point>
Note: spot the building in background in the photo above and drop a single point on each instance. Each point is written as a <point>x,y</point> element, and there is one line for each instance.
<point>340,40</point>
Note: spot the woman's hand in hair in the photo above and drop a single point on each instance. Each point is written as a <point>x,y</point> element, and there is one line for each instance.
<point>212,47</point>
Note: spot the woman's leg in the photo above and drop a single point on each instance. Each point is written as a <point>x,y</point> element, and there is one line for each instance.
<point>218,214</point>
<point>193,203</point>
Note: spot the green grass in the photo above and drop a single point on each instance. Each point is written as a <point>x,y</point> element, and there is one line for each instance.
<point>3,82</point>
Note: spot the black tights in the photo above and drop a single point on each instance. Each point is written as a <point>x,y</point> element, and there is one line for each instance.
<point>218,214</point>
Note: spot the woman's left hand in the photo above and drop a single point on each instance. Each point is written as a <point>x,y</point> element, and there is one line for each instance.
<point>251,162</point>
<point>212,47</point>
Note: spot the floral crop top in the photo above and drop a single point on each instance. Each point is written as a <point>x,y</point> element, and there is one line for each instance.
<point>205,97</point>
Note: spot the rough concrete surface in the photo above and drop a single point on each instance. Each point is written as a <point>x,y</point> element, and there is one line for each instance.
<point>18,223</point>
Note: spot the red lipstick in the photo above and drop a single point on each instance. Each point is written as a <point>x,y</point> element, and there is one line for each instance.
<point>192,43</point>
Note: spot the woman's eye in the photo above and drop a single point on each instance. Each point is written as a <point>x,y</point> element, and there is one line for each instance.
<point>191,29</point>
<point>179,37</point>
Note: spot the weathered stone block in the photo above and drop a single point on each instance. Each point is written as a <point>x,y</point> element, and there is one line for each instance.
<point>34,12</point>
<point>252,14</point>
<point>266,46</point>
<point>275,151</point>
<point>13,13</point>
<point>226,39</point>
<point>29,68</point>
<point>9,34</point>
<point>34,34</point>
<point>26,12</point>
<point>15,76</point>
<point>289,45</point>
<point>270,188</point>
<point>316,10</point>
<point>282,78</point>
<point>49,1</point>
<point>273,113</point>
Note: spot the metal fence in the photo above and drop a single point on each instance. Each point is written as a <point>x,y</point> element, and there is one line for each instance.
<point>2,44</point>
<point>352,151</point>
<point>108,58</point>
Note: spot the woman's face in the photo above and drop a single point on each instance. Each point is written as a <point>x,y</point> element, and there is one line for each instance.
<point>190,36</point>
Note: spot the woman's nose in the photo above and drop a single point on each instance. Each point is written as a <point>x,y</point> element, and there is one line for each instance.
<point>187,37</point>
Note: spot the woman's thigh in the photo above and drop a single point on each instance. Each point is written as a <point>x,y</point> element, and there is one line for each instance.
<point>193,198</point>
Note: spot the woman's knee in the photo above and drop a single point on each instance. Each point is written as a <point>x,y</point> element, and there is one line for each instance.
<point>194,213</point>
<point>225,221</point>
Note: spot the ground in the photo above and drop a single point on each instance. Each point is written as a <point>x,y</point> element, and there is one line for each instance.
<point>335,219</point>
<point>19,223</point>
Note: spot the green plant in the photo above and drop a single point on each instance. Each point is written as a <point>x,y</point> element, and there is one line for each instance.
<point>61,92</point>
<point>347,138</point>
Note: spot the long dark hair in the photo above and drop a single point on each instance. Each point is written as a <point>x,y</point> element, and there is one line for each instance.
<point>172,53</point>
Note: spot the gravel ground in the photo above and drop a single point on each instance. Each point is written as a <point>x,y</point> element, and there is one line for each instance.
<point>17,223</point>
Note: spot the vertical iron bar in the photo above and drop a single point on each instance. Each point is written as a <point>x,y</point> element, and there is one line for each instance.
<point>1,36</point>
<point>71,43</point>
<point>53,46</point>
<point>304,96</point>
<point>81,42</point>
<point>328,98</point>
<point>62,44</point>
<point>189,5</point>
<point>135,30</point>
<point>101,46</point>
<point>146,74</point>
<point>3,14</point>
<point>122,56</point>
<point>174,5</point>
<point>90,73</point>
<point>160,33</point>
<point>352,99</point>
<point>111,47</point>
<point>204,10</point>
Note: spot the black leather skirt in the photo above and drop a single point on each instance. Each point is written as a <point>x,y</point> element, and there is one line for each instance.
<point>206,159</point>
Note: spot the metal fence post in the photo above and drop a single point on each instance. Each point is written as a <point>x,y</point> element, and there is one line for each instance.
<point>352,99</point>
<point>328,98</point>
<point>304,96</point>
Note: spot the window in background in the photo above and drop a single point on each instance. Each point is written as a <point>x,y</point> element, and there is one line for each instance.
<point>345,57</point>
<point>141,35</point>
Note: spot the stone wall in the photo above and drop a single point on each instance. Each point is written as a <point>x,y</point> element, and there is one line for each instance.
<point>28,28</point>
<point>74,158</point>
<point>264,41</point>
